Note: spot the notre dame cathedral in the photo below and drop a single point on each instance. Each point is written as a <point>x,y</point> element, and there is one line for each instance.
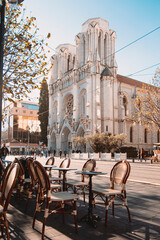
<point>86,94</point>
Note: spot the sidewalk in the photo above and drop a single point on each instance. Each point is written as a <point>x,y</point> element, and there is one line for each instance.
<point>143,201</point>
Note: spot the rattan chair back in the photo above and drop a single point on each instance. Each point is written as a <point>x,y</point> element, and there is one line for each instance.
<point>4,177</point>
<point>64,164</point>
<point>2,166</point>
<point>90,166</point>
<point>43,178</point>
<point>21,170</point>
<point>31,170</point>
<point>119,173</point>
<point>50,161</point>
<point>9,183</point>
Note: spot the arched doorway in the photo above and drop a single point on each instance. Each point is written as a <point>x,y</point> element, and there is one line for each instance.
<point>66,144</point>
<point>82,145</point>
<point>53,143</point>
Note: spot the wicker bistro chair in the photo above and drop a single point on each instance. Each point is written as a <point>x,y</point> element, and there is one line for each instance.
<point>34,182</point>
<point>64,164</point>
<point>54,202</point>
<point>79,187</point>
<point>50,161</point>
<point>118,177</point>
<point>2,169</point>
<point>21,180</point>
<point>8,185</point>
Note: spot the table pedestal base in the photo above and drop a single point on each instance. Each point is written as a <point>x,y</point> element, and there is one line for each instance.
<point>92,220</point>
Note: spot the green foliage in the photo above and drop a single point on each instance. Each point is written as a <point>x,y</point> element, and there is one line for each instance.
<point>147,106</point>
<point>102,142</point>
<point>44,110</point>
<point>24,54</point>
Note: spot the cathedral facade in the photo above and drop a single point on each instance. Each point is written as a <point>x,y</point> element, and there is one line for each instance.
<point>86,94</point>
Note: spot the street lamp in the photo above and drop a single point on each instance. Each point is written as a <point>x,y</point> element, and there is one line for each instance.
<point>2,29</point>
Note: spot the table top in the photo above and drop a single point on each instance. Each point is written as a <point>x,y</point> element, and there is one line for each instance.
<point>64,169</point>
<point>7,160</point>
<point>49,166</point>
<point>90,173</point>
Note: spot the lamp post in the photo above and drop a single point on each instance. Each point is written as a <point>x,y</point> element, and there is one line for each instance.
<point>2,18</point>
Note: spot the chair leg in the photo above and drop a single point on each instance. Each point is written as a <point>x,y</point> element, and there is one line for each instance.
<point>129,215</point>
<point>63,213</point>
<point>29,197</point>
<point>34,218</point>
<point>2,225</point>
<point>75,215</point>
<point>84,196</point>
<point>113,206</point>
<point>43,228</point>
<point>107,206</point>
<point>6,226</point>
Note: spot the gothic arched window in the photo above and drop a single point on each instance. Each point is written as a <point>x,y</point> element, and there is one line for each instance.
<point>145,135</point>
<point>131,134</point>
<point>99,45</point>
<point>82,103</point>
<point>105,49</point>
<point>125,105</point>
<point>158,135</point>
<point>73,61</point>
<point>68,63</point>
<point>84,53</point>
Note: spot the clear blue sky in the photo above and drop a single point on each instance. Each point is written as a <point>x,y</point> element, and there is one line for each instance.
<point>130,19</point>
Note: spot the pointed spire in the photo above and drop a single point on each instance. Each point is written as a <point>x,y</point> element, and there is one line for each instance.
<point>89,59</point>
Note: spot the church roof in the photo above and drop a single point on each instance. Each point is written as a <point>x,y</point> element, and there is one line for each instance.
<point>106,72</point>
<point>129,81</point>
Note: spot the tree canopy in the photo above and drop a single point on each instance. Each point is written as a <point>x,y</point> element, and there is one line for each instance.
<point>25,60</point>
<point>147,106</point>
<point>103,142</point>
<point>156,78</point>
<point>44,110</point>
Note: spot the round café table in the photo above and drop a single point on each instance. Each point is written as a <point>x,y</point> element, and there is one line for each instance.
<point>49,166</point>
<point>90,218</point>
<point>64,170</point>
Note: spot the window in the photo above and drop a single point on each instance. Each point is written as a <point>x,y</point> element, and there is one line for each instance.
<point>68,62</point>
<point>131,134</point>
<point>125,105</point>
<point>158,137</point>
<point>145,135</point>
<point>99,45</point>
<point>83,104</point>
<point>73,61</point>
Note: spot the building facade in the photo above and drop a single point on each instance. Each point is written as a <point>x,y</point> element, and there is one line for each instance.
<point>21,128</point>
<point>86,94</point>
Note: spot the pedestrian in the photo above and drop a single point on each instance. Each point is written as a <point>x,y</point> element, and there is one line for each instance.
<point>54,152</point>
<point>65,153</point>
<point>49,152</point>
<point>142,153</point>
<point>45,153</point>
<point>4,152</point>
<point>60,153</point>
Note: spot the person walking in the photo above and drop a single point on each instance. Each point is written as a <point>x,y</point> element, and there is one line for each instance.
<point>60,153</point>
<point>4,152</point>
